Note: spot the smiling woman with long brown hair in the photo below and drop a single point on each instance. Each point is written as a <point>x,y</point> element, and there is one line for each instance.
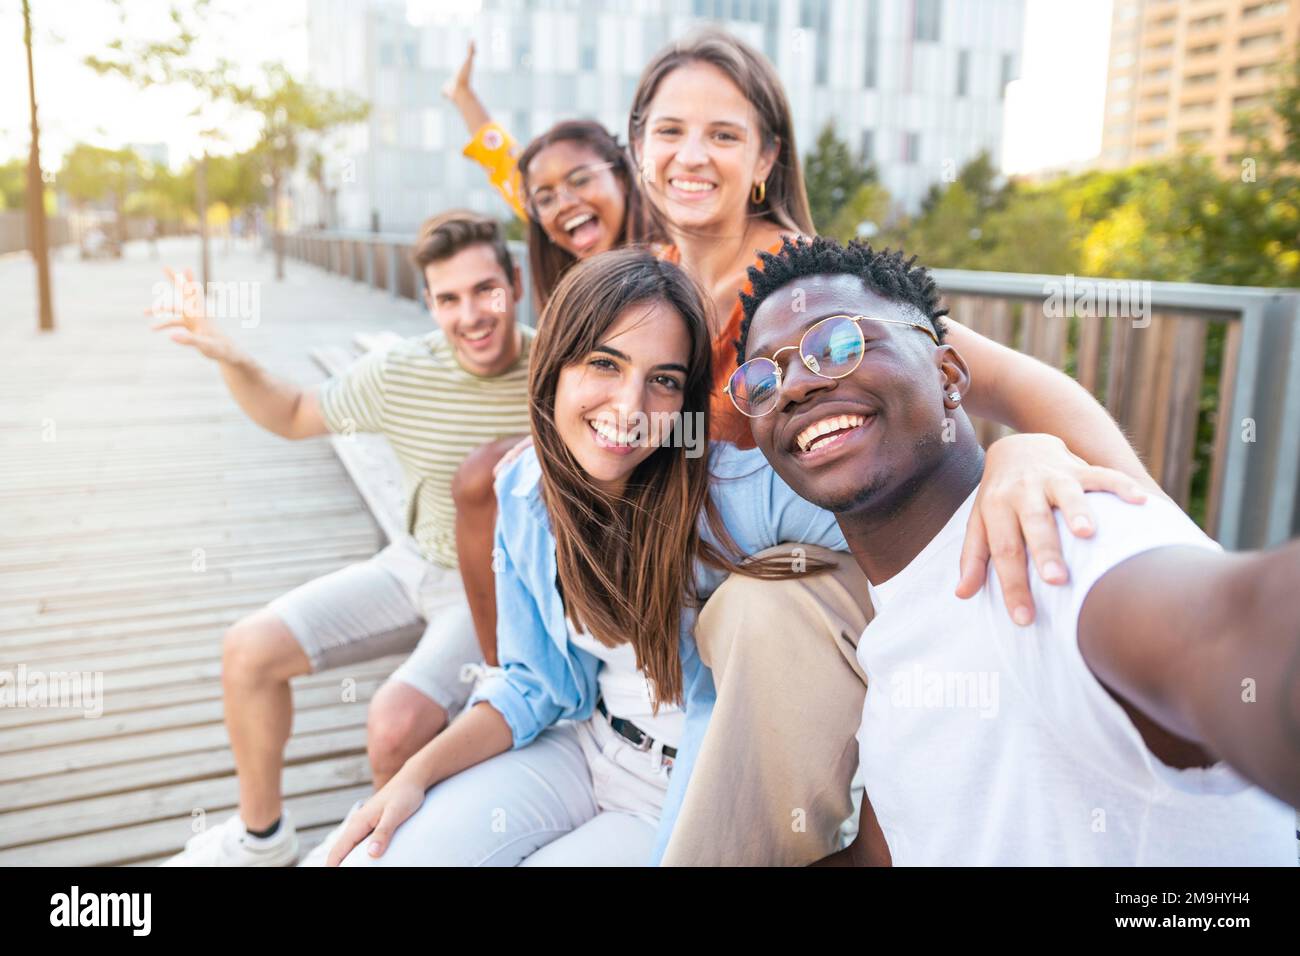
<point>605,549</point>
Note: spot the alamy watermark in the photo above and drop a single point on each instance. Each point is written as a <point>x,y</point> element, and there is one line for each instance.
<point>220,300</point>
<point>65,689</point>
<point>656,429</point>
<point>919,687</point>
<point>1098,298</point>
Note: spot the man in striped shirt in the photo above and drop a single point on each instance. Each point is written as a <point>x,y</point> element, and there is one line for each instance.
<point>435,398</point>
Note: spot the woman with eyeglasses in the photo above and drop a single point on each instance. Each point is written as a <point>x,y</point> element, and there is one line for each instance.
<point>574,185</point>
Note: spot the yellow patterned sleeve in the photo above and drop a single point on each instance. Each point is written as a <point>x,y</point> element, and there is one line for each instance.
<point>494,149</point>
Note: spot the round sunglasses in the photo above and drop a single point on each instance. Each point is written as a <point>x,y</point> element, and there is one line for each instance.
<point>832,348</point>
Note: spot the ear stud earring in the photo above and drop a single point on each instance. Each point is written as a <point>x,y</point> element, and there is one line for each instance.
<point>954,396</point>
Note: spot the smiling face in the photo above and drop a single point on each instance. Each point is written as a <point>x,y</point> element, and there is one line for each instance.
<point>581,210</point>
<point>702,149</point>
<point>473,301</point>
<point>844,443</point>
<point>613,407</point>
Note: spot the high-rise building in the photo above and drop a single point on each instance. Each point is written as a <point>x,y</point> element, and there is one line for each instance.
<point>915,87</point>
<point>1181,71</point>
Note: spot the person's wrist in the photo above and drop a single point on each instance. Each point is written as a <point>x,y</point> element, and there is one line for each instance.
<point>419,771</point>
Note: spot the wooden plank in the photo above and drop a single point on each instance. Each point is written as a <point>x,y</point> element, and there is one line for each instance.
<point>278,576</point>
<point>1043,336</point>
<point>25,827</point>
<point>1186,372</point>
<point>165,771</point>
<point>1225,428</point>
<point>1149,392</point>
<point>1089,352</point>
<point>83,755</point>
<point>182,714</point>
<point>124,844</point>
<point>145,698</point>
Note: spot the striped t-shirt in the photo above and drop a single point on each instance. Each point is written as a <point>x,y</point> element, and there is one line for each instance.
<point>434,413</point>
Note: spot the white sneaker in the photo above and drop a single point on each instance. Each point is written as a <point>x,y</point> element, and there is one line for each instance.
<point>228,844</point>
<point>321,851</point>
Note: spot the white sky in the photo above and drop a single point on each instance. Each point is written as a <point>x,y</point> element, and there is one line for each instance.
<point>1053,112</point>
<point>76,104</point>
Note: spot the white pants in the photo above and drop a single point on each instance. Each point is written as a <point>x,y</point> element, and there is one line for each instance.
<point>395,602</point>
<point>578,795</point>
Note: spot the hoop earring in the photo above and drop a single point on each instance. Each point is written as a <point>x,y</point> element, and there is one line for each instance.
<point>758,192</point>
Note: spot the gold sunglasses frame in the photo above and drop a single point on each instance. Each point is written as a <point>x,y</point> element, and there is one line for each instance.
<point>855,319</point>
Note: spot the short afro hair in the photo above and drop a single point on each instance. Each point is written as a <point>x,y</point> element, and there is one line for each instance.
<point>886,273</point>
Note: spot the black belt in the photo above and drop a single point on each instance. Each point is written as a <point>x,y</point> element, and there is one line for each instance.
<point>632,733</point>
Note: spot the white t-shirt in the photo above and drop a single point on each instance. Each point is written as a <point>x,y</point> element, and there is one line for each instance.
<point>984,743</point>
<point>627,691</point>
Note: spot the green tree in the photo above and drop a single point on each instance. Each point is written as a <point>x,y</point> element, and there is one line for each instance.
<point>862,216</point>
<point>90,174</point>
<point>13,184</point>
<point>236,180</point>
<point>833,177</point>
<point>289,109</point>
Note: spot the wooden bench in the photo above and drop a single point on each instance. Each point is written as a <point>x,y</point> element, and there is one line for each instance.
<point>368,458</point>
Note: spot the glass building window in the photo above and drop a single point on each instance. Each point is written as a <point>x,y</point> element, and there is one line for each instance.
<point>925,21</point>
<point>872,44</point>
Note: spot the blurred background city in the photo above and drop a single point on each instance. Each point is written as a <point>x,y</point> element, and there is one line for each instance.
<point>1111,186</point>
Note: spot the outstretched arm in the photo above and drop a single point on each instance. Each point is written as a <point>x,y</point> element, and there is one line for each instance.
<point>461,93</point>
<point>1208,646</point>
<point>281,407</point>
<point>493,149</point>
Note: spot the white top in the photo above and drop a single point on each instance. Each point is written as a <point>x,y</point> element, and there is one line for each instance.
<point>983,743</point>
<point>627,691</point>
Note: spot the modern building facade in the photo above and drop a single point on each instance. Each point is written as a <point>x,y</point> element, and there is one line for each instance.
<point>1182,70</point>
<point>916,86</point>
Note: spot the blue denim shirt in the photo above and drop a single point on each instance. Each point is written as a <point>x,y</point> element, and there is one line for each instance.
<point>543,678</point>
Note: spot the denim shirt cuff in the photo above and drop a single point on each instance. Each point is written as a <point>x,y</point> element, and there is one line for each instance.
<point>497,691</point>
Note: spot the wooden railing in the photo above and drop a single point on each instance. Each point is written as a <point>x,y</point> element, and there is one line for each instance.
<point>1205,381</point>
<point>1166,359</point>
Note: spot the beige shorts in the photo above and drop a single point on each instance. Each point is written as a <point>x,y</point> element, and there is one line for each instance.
<point>396,602</point>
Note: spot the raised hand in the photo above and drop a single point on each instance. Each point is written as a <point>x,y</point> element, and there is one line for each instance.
<point>184,312</point>
<point>459,86</point>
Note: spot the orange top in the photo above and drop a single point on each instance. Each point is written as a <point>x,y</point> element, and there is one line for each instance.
<point>494,149</point>
<point>728,424</point>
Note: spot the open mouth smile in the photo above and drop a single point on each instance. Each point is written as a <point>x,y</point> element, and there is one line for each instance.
<point>608,437</point>
<point>821,436</point>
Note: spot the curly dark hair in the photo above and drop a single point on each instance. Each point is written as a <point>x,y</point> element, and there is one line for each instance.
<point>886,273</point>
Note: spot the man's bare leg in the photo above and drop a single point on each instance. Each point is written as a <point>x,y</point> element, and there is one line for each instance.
<point>259,656</point>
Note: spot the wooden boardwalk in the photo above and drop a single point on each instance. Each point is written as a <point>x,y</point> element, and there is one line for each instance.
<point>140,515</point>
